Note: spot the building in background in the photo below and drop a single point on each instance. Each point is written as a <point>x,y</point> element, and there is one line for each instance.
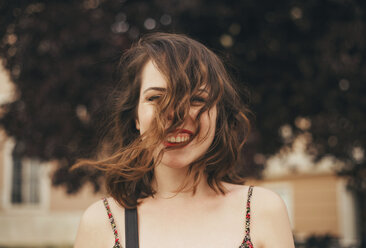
<point>35,214</point>
<point>317,199</point>
<point>318,203</point>
<point>32,213</point>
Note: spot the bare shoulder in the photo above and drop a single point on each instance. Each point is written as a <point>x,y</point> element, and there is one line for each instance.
<point>94,228</point>
<point>94,214</point>
<point>263,197</point>
<point>235,188</point>
<point>267,201</point>
<point>269,220</point>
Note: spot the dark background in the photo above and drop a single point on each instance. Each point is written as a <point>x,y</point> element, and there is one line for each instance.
<point>303,63</point>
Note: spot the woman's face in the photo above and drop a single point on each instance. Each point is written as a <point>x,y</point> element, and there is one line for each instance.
<point>153,85</point>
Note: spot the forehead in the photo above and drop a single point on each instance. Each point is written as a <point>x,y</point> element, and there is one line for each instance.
<point>152,77</point>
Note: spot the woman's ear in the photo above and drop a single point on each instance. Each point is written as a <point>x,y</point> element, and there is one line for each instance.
<point>137,124</point>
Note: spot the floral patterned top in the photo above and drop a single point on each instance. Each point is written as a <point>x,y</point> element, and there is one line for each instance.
<point>117,244</point>
<point>247,243</point>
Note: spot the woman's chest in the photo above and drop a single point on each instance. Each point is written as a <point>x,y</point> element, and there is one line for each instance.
<point>189,227</point>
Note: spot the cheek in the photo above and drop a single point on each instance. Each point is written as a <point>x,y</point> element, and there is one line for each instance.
<point>208,124</point>
<point>211,119</point>
<point>145,117</point>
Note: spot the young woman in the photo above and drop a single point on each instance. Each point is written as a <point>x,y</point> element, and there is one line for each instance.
<point>178,130</point>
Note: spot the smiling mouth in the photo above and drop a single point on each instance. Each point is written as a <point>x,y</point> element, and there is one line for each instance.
<point>181,137</point>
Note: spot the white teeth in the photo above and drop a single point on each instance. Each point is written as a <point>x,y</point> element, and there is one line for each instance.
<point>178,139</point>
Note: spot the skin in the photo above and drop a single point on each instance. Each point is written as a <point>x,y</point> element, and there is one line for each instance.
<point>182,220</point>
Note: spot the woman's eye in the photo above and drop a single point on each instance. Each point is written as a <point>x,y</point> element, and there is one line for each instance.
<point>153,98</point>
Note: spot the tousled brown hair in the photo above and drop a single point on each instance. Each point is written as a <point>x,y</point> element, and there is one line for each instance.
<point>188,66</point>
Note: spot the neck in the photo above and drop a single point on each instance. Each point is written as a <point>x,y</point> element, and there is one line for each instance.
<point>167,182</point>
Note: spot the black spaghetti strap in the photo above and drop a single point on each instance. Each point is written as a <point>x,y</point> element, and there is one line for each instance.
<point>131,228</point>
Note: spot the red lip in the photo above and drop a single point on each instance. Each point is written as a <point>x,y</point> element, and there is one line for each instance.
<point>184,131</point>
<point>168,144</point>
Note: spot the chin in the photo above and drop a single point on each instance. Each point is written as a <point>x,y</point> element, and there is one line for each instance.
<point>174,163</point>
<point>178,158</point>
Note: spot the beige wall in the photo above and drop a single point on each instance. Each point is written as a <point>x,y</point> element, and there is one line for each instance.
<point>316,209</point>
<point>61,202</point>
<point>53,222</point>
<point>320,205</point>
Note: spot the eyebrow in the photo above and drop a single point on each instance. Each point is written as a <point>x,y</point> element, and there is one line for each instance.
<point>155,88</point>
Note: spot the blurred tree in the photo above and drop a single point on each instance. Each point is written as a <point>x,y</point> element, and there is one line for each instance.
<point>304,62</point>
